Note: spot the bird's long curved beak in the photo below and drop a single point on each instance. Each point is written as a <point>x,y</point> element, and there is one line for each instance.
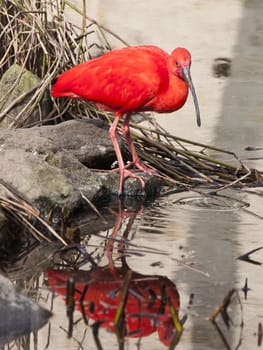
<point>188,79</point>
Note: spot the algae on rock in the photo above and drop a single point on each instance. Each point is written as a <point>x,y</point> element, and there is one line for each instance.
<point>17,105</point>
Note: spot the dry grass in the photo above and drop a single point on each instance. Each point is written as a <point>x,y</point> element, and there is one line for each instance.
<point>20,211</point>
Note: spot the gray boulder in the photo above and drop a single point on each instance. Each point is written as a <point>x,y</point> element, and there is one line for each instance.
<point>51,166</point>
<point>19,315</point>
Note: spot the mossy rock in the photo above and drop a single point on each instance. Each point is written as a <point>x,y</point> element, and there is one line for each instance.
<point>15,82</point>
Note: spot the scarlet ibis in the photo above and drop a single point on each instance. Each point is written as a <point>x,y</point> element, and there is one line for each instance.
<point>127,80</point>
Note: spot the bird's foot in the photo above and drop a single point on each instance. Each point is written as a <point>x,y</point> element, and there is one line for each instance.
<point>140,166</point>
<point>131,173</point>
<point>124,174</point>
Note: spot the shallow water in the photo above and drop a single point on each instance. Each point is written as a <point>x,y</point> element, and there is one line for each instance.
<point>194,241</point>
<point>211,239</point>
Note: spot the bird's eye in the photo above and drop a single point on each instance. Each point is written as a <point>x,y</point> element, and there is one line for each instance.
<point>176,63</point>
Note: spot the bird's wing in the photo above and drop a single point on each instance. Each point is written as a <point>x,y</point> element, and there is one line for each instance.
<point>122,80</point>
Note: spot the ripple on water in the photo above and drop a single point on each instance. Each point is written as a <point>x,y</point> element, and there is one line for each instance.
<point>213,202</point>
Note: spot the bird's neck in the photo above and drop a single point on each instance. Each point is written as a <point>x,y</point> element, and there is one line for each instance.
<point>172,97</point>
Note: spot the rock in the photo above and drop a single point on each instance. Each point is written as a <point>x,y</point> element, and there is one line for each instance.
<point>12,87</point>
<point>88,141</point>
<point>19,315</point>
<point>45,174</point>
<point>133,187</point>
<point>48,166</point>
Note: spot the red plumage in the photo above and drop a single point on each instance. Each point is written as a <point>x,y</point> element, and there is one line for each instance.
<point>133,79</point>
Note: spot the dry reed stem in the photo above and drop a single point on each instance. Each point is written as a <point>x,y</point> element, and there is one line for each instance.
<point>27,215</point>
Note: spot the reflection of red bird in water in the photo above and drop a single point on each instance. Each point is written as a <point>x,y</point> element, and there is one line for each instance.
<point>146,309</point>
<point>133,79</point>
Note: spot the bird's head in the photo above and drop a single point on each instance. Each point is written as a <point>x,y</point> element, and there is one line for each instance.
<point>180,63</point>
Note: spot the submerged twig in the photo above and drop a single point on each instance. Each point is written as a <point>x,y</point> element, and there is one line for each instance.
<point>246,256</point>
<point>177,325</point>
<point>93,207</point>
<point>222,310</point>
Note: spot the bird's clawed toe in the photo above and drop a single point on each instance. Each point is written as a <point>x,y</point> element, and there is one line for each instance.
<point>137,166</point>
<point>141,166</point>
<point>124,174</point>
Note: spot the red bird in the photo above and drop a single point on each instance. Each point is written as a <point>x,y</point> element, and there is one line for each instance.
<point>127,80</point>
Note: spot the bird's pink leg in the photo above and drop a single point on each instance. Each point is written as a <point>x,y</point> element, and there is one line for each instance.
<point>135,158</point>
<point>124,173</point>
